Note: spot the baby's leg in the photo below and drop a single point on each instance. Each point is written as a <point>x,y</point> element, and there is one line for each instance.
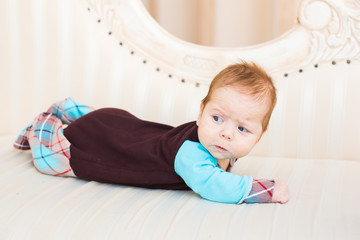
<point>69,110</point>
<point>50,148</point>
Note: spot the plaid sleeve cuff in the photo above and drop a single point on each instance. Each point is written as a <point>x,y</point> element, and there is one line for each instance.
<point>261,191</point>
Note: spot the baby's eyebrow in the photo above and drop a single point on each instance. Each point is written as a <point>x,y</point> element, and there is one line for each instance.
<point>244,124</point>
<point>248,124</point>
<point>219,109</point>
<point>241,122</point>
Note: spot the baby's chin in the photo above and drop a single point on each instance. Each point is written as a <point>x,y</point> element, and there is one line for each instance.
<point>222,156</point>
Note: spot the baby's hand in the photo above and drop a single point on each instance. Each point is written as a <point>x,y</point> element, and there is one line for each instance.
<point>281,192</point>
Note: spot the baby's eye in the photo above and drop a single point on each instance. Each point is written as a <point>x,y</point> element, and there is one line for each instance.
<point>242,129</point>
<point>217,119</point>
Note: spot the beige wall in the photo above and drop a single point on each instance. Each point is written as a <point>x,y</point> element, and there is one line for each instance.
<point>225,23</point>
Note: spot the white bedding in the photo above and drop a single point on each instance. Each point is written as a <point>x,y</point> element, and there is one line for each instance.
<point>323,205</point>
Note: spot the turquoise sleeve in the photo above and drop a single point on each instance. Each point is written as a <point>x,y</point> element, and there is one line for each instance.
<point>195,165</point>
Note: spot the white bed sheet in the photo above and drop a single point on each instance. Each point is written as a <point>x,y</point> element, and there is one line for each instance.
<point>323,205</point>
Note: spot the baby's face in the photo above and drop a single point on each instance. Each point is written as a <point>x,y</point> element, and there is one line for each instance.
<point>231,123</point>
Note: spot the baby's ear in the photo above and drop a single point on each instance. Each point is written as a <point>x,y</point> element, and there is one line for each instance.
<point>202,106</point>
<point>200,113</point>
<point>261,136</point>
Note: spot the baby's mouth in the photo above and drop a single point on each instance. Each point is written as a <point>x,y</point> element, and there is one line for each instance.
<point>220,148</point>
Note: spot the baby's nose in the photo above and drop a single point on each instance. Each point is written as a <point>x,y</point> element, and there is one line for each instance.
<point>226,136</point>
<point>227,133</point>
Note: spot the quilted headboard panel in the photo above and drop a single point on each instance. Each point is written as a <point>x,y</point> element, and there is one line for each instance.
<point>112,53</point>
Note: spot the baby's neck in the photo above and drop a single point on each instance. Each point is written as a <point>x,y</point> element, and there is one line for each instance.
<point>223,163</point>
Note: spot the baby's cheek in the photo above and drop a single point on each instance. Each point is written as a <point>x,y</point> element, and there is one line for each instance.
<point>249,147</point>
<point>242,150</point>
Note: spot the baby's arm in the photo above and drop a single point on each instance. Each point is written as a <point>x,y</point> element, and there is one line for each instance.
<point>268,191</point>
<point>195,165</point>
<point>200,172</point>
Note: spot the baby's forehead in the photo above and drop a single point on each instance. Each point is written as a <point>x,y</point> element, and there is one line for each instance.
<point>261,97</point>
<point>229,97</point>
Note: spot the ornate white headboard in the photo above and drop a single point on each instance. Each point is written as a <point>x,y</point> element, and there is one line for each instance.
<point>326,31</point>
<point>112,53</point>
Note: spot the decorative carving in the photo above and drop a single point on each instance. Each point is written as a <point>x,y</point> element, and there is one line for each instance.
<point>200,63</point>
<point>315,15</point>
<point>335,29</point>
<point>328,30</point>
<point>112,13</point>
<point>106,10</point>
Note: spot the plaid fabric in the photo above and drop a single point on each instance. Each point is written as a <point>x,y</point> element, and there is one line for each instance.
<point>50,148</point>
<point>21,141</point>
<point>231,164</point>
<point>261,191</point>
<point>69,110</point>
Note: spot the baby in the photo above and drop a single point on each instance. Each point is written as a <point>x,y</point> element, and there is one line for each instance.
<point>113,146</point>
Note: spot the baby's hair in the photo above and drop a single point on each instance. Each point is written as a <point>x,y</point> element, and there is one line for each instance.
<point>251,79</point>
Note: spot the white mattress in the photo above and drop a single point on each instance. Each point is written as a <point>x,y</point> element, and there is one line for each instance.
<point>323,205</point>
